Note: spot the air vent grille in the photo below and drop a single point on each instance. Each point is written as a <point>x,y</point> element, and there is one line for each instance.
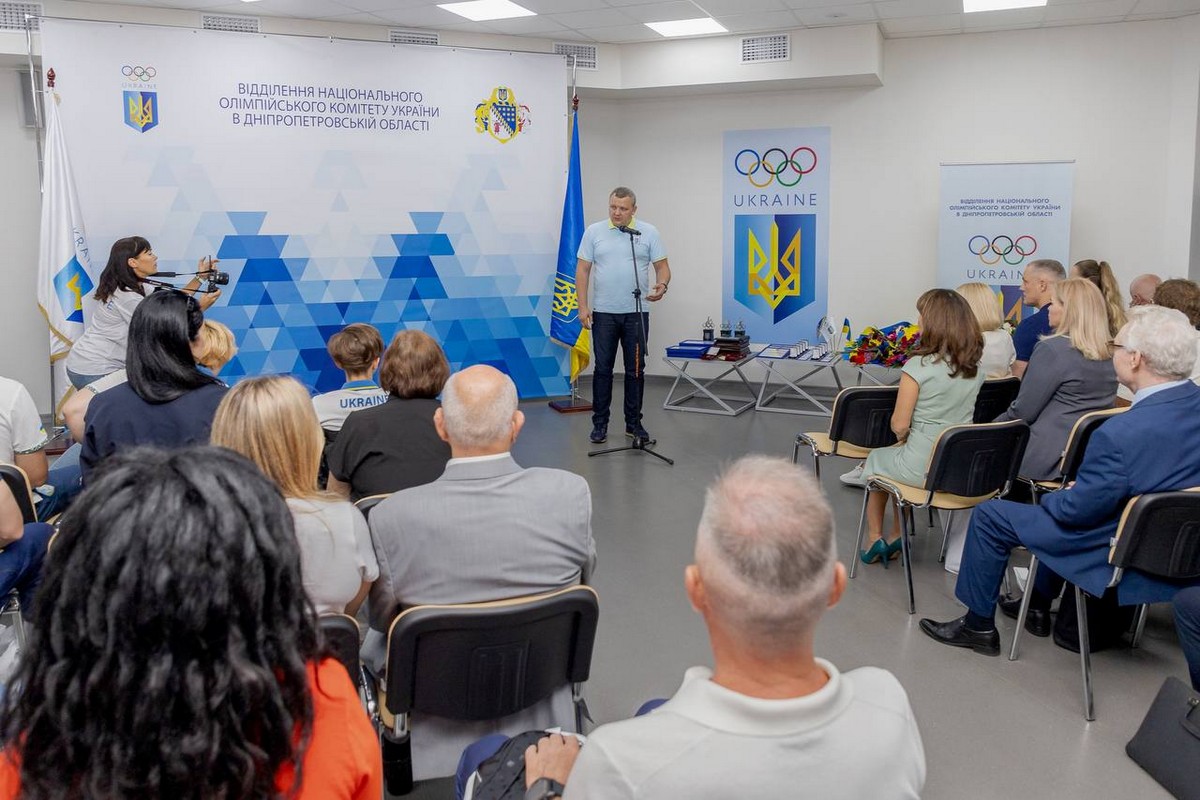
<point>412,37</point>
<point>12,15</point>
<point>584,54</point>
<point>230,22</point>
<point>775,47</point>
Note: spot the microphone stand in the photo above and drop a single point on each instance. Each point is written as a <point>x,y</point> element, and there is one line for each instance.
<point>640,443</point>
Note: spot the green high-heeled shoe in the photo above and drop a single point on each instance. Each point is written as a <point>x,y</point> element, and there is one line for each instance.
<point>894,548</point>
<point>876,552</point>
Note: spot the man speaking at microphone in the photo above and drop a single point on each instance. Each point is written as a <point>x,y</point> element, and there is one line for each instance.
<point>610,311</point>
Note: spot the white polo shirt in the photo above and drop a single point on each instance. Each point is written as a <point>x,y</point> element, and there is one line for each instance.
<point>21,428</point>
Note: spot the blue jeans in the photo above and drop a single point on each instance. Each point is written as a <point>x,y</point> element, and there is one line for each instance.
<point>21,563</point>
<point>66,476</point>
<point>609,330</point>
<point>1187,625</point>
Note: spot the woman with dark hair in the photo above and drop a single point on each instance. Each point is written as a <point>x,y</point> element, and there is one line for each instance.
<point>938,386</point>
<point>394,446</point>
<point>166,401</point>
<point>146,677</point>
<point>101,348</point>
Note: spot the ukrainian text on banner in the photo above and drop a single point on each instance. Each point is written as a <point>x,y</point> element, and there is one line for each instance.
<point>776,221</point>
<point>996,218</point>
<point>337,182</point>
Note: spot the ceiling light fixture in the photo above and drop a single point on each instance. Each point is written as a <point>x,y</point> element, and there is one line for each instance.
<point>484,10</point>
<point>972,6</point>
<point>687,27</point>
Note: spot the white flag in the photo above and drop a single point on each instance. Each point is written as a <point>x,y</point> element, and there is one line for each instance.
<point>63,265</point>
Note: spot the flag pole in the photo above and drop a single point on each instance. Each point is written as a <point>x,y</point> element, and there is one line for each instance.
<point>37,95</point>
<point>576,402</point>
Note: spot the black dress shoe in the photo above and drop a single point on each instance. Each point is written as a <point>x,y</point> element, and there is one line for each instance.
<point>1037,620</point>
<point>956,634</point>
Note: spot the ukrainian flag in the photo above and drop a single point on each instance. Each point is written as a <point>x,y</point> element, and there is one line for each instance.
<point>565,327</point>
<point>847,338</point>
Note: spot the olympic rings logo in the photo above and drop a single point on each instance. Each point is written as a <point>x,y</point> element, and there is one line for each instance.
<point>1003,248</point>
<point>139,73</point>
<point>776,165</point>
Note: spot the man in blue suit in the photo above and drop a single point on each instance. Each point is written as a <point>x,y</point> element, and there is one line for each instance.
<point>1153,447</point>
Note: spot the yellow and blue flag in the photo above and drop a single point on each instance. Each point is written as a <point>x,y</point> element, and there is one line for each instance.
<point>63,264</point>
<point>565,327</point>
<point>847,337</point>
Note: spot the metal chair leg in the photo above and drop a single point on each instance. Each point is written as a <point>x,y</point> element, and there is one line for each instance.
<point>949,523</point>
<point>906,525</point>
<point>817,467</point>
<point>1085,654</point>
<point>1024,612</point>
<point>930,525</point>
<point>796,451</point>
<point>862,522</point>
<point>1139,625</point>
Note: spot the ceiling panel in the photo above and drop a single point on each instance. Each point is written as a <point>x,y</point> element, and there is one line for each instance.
<point>761,21</point>
<point>837,15</point>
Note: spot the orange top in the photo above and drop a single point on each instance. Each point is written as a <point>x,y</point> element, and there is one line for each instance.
<point>342,761</point>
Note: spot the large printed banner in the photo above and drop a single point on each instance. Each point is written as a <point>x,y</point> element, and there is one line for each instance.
<point>337,182</point>
<point>776,217</point>
<point>996,218</point>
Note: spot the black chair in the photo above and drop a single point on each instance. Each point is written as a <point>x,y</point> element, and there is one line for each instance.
<point>1072,460</point>
<point>341,635</point>
<point>969,464</point>
<point>18,483</point>
<point>860,422</point>
<point>365,504</point>
<point>995,396</point>
<point>482,661</point>
<point>1158,536</point>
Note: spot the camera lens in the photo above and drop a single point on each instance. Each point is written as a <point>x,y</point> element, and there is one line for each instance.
<point>219,278</point>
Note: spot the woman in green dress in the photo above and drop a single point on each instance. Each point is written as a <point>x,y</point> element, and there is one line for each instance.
<point>938,386</point>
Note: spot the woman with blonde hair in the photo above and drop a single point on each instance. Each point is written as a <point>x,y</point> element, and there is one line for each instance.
<point>394,446</point>
<point>216,346</point>
<point>1070,373</point>
<point>998,351</point>
<point>271,421</point>
<point>1101,276</point>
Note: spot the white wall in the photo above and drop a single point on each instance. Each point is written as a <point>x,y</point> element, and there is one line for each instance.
<point>25,342</point>
<point>1119,99</point>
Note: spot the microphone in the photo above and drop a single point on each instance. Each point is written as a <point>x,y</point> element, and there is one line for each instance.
<point>629,230</point>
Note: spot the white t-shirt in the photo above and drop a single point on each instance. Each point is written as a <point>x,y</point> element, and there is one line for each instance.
<point>21,429</point>
<point>853,738</point>
<point>336,555</point>
<point>333,407</point>
<point>998,354</point>
<point>101,348</point>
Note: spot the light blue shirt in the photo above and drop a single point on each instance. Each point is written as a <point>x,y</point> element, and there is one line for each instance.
<point>607,249</point>
<point>1143,393</point>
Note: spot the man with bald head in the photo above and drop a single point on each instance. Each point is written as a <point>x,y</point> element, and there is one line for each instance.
<point>487,529</point>
<point>1141,289</point>
<point>770,719</point>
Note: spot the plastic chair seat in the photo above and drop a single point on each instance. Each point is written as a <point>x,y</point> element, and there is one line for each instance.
<point>916,496</point>
<point>827,447</point>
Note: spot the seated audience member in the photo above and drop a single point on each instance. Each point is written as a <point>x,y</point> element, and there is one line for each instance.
<point>355,350</point>
<point>23,438</point>
<point>1142,288</point>
<point>270,420</point>
<point>394,446</point>
<point>22,549</point>
<point>166,400</point>
<point>147,677</point>
<point>770,719</point>
<point>1070,373</point>
<point>487,529</point>
<point>1037,283</point>
<point>1100,274</point>
<point>938,387</point>
<point>1153,447</point>
<point>1187,623</point>
<point>1181,295</point>
<point>998,351</point>
<point>213,349</point>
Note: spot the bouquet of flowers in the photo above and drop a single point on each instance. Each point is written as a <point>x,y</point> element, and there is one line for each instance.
<point>887,347</point>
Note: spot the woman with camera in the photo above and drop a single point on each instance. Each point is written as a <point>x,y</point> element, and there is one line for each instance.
<point>166,401</point>
<point>101,349</point>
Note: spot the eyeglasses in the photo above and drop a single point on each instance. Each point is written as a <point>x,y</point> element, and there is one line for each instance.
<point>1114,345</point>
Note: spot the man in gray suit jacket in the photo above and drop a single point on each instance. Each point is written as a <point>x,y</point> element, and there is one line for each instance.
<point>487,529</point>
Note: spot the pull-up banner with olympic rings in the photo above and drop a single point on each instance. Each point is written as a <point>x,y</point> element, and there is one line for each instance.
<point>776,223</point>
<point>996,218</point>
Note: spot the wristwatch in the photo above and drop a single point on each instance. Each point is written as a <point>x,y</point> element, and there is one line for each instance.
<point>544,789</point>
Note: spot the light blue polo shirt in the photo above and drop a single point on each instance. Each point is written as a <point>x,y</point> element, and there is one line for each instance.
<point>612,274</point>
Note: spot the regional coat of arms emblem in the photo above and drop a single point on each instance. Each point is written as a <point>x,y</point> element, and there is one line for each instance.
<point>501,116</point>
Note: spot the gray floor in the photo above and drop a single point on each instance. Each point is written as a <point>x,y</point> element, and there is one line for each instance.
<point>991,728</point>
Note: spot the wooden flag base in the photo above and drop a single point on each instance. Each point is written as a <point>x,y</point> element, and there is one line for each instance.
<point>573,404</point>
